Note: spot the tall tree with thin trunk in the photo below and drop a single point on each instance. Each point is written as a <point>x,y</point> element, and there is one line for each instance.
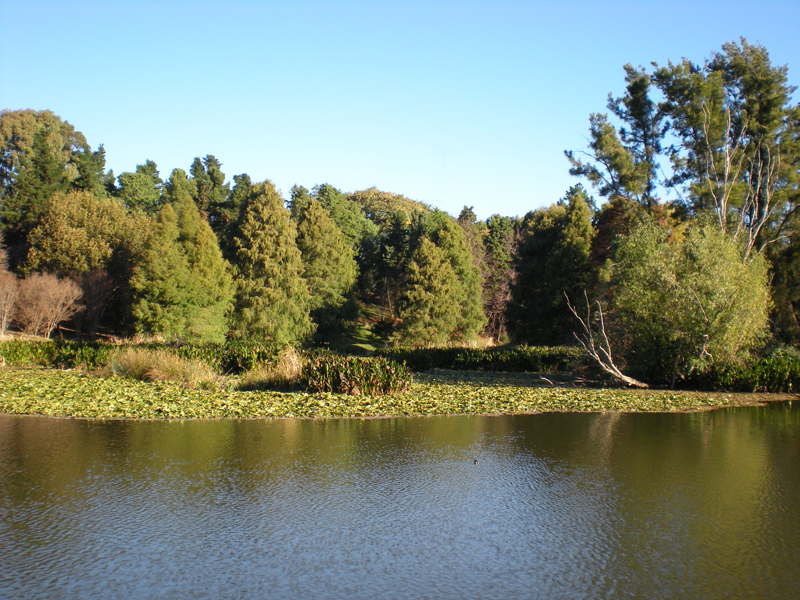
<point>272,300</point>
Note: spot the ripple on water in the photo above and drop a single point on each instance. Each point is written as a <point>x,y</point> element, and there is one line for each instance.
<point>559,506</point>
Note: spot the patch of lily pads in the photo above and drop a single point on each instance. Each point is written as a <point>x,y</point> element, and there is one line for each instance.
<point>70,393</point>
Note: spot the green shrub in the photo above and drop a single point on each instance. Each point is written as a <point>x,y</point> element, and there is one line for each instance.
<point>55,353</point>
<point>504,358</point>
<point>777,371</point>
<point>355,375</point>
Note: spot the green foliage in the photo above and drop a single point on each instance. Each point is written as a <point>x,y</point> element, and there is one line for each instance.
<point>684,305</point>
<point>449,237</point>
<point>18,130</point>
<point>500,245</point>
<point>778,371</point>
<point>430,307</point>
<point>553,259</point>
<point>182,287</point>
<point>230,358</point>
<point>211,192</point>
<point>328,267</point>
<point>355,376</point>
<point>139,192</point>
<point>55,353</point>
<point>80,231</point>
<point>272,298</point>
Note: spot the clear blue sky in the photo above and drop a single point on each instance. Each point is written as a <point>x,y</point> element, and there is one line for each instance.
<point>451,103</point>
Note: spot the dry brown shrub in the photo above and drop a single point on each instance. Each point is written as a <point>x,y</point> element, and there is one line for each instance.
<point>9,291</point>
<point>45,301</point>
<point>159,365</point>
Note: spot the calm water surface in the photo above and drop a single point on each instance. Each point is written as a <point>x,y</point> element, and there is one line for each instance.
<point>703,505</point>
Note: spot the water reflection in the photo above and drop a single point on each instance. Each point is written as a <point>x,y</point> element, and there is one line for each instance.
<point>702,505</point>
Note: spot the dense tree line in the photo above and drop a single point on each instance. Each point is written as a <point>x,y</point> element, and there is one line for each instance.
<point>691,258</point>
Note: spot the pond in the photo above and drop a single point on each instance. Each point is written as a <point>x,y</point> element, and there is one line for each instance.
<point>607,505</point>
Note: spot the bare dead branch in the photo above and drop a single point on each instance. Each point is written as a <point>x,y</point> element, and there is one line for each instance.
<point>587,340</point>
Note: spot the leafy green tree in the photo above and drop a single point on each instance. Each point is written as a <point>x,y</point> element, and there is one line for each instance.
<point>446,233</point>
<point>162,282</point>
<point>80,231</point>
<point>38,175</point>
<point>683,305</point>
<point>92,174</point>
<point>18,128</point>
<point>553,259</point>
<point>272,300</point>
<point>223,218</point>
<point>211,191</point>
<point>141,190</point>
<point>500,244</point>
<point>328,267</point>
<point>183,286</point>
<point>177,186</point>
<point>429,307</point>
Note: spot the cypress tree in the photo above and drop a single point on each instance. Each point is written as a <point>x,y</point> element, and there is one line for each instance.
<point>161,282</point>
<point>272,301</point>
<point>429,307</point>
<point>328,266</point>
<point>449,236</point>
<point>182,287</point>
<point>212,290</point>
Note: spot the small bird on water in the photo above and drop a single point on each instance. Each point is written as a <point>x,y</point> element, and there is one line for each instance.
<point>475,462</point>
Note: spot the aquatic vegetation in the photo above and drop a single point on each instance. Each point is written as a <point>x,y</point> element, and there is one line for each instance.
<point>72,394</point>
<point>355,375</point>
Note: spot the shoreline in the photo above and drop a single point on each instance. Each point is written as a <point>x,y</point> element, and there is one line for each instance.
<point>72,394</point>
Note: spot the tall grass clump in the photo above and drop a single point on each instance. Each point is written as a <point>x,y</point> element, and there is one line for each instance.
<point>283,372</point>
<point>355,375</point>
<point>148,365</point>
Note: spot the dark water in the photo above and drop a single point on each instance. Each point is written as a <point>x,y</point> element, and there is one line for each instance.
<point>703,505</point>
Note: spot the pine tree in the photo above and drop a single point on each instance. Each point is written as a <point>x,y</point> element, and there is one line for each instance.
<point>328,266</point>
<point>429,307</point>
<point>272,298</point>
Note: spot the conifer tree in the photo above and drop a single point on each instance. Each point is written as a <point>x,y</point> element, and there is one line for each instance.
<point>162,283</point>
<point>449,236</point>
<point>272,301</point>
<point>328,266</point>
<point>429,307</point>
<point>182,287</point>
<point>213,284</point>
<point>553,257</point>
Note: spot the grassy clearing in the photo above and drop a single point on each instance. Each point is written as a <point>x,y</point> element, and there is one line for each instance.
<point>70,394</point>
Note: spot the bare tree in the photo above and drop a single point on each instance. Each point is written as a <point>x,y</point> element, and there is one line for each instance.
<point>730,170</point>
<point>45,301</point>
<point>601,353</point>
